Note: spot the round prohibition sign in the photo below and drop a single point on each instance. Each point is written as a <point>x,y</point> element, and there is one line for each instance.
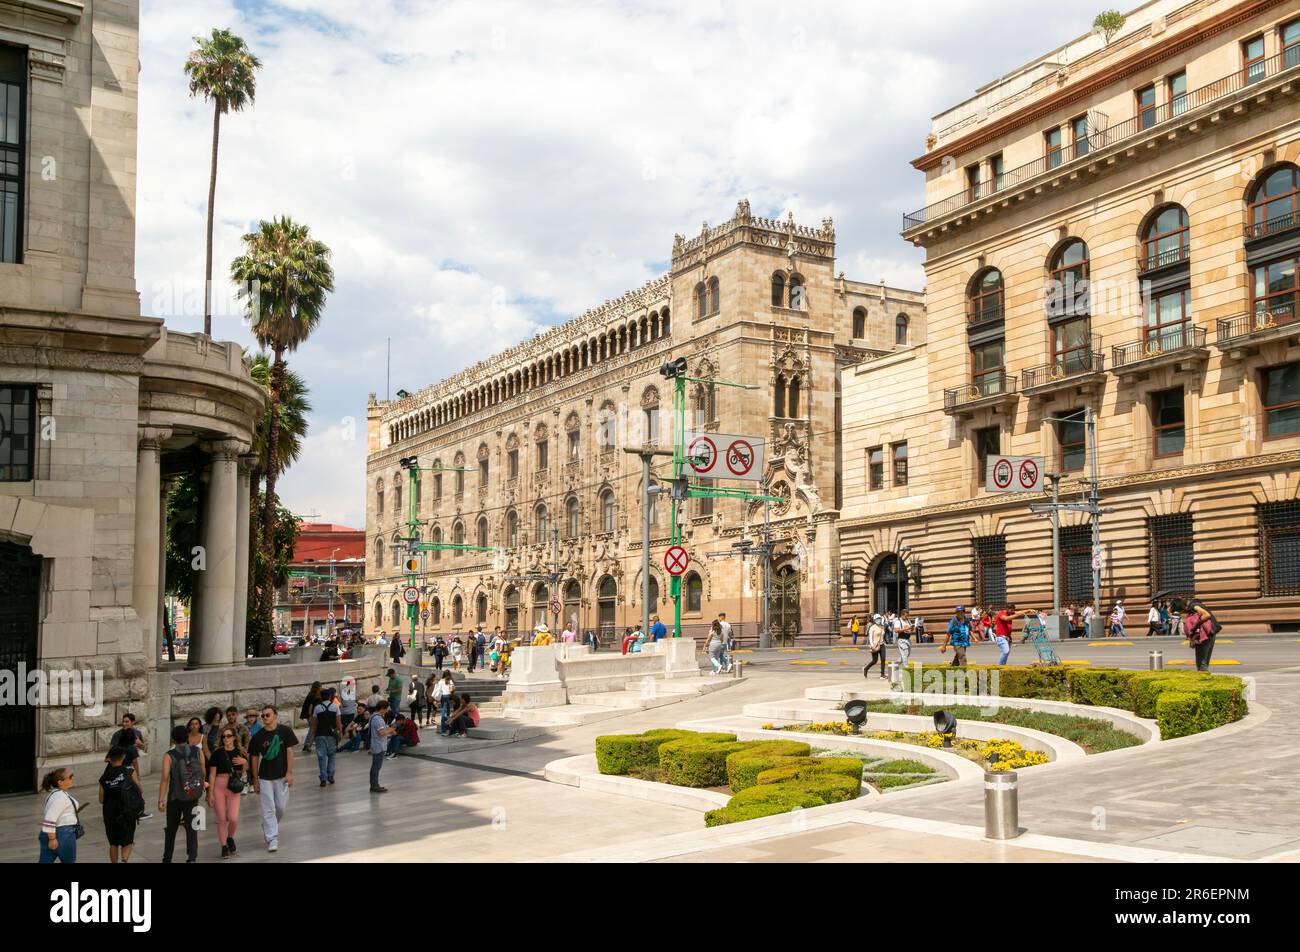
<point>740,457</point>
<point>703,454</point>
<point>1028,474</point>
<point>411,596</point>
<point>1002,474</point>
<point>676,560</point>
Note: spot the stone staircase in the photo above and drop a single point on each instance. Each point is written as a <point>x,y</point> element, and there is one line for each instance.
<point>639,694</point>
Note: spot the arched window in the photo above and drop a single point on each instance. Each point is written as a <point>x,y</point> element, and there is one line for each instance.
<point>435,611</point>
<point>541,604</point>
<point>665,325</point>
<point>480,609</point>
<point>1068,309</point>
<point>715,296</point>
<point>694,592</point>
<point>607,511</point>
<point>607,427</point>
<point>859,323</point>
<point>778,290</point>
<point>572,602</point>
<point>457,611</point>
<point>379,553</point>
<point>798,297</point>
<point>654,592</point>
<point>778,403</point>
<point>512,609</point>
<point>606,603</point>
<point>900,329</point>
<point>1165,238</point>
<point>482,532</point>
<point>379,497</point>
<point>512,529</point>
<point>397,496</point>
<point>701,300</point>
<point>792,398</point>
<point>540,522</point>
<point>1274,202</point>
<point>985,298</point>
<point>458,533</point>
<point>397,614</point>
<point>571,515</point>
<point>379,614</point>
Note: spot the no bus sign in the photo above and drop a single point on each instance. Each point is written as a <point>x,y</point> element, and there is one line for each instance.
<point>1014,474</point>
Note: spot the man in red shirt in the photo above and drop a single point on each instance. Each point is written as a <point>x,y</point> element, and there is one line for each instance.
<point>1002,623</point>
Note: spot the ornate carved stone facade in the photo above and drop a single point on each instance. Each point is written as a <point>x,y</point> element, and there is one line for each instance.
<point>544,423</point>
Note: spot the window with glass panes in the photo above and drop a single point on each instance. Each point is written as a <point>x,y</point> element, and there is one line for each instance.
<point>1173,565</point>
<point>1072,345</point>
<point>1146,106</point>
<point>1279,547</point>
<point>573,445</point>
<point>990,570</point>
<point>988,442</point>
<point>1168,426</point>
<point>1280,391</point>
<point>1052,147</point>
<point>512,464</point>
<point>1079,133</point>
<point>607,511</point>
<point>1277,292</point>
<point>1252,59</point>
<point>1166,239</point>
<point>1068,282</point>
<point>18,434</point>
<point>1167,317</point>
<point>1275,202</point>
<point>694,593</point>
<point>482,473</point>
<point>543,460</point>
<point>996,170</point>
<point>13,85</point>
<point>460,481</point>
<point>876,467</point>
<point>1070,434</point>
<point>1290,37</point>
<point>987,362</point>
<point>973,182</point>
<point>900,464</point>
<point>984,303</point>
<point>1076,563</point>
<point>1176,88</point>
<point>704,505</point>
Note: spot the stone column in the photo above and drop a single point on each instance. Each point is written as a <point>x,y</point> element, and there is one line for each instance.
<point>247,464</point>
<point>212,643</point>
<point>148,518</point>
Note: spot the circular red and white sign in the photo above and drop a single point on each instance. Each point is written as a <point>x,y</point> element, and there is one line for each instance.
<point>1028,474</point>
<point>411,595</point>
<point>555,606</point>
<point>676,560</point>
<point>1002,474</point>
<point>703,454</point>
<point>740,457</point>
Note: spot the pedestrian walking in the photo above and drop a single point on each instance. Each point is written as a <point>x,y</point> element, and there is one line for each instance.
<point>728,641</point>
<point>395,690</point>
<point>876,644</point>
<point>1154,626</point>
<point>855,628</point>
<point>308,705</point>
<point>442,692</point>
<point>179,790</point>
<point>211,730</point>
<point>904,639</point>
<point>121,802</point>
<point>326,719</point>
<point>957,637</point>
<point>415,698</point>
<point>60,828</point>
<point>716,646</point>
<point>1117,619</point>
<point>1201,628</point>
<point>439,652</point>
<point>379,732</point>
<point>272,753</point>
<point>397,649</point>
<point>226,772</point>
<point>233,722</point>
<point>1002,626</point>
<point>457,653</point>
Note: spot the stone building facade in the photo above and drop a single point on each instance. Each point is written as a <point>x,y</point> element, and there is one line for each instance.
<point>530,446</point>
<point>99,406</point>
<point>1114,226</point>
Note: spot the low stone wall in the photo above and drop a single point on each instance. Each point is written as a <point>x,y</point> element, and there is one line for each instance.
<point>552,674</point>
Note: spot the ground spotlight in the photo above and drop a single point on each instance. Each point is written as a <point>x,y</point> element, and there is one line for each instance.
<point>855,712</point>
<point>946,726</point>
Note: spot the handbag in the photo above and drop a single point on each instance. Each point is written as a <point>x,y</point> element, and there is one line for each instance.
<point>236,782</point>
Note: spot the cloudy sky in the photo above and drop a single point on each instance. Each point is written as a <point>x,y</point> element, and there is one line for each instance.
<point>483,169</point>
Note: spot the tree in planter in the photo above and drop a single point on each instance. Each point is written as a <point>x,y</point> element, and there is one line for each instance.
<point>220,69</point>
<point>291,273</point>
<point>1108,23</point>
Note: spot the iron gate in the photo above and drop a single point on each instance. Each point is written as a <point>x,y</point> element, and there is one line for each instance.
<point>20,580</point>
<point>785,605</point>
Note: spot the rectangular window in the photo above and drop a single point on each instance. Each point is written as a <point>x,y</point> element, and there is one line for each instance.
<point>997,170</point>
<point>1167,317</point>
<point>1072,345</point>
<point>512,464</point>
<point>1071,435</point>
<point>1168,422</point>
<point>1290,43</point>
<point>1079,134</point>
<point>543,462</point>
<point>13,149</point>
<point>1052,147</point>
<point>573,446</point>
<point>1281,392</point>
<point>482,474</point>
<point>987,362</point>
<point>18,434</point>
<point>900,464</point>
<point>1146,107</point>
<point>988,442</point>
<point>1076,563</point>
<point>437,487</point>
<point>973,182</point>
<point>1276,292</point>
<point>1252,60</point>
<point>1279,548</point>
<point>705,507</point>
<point>876,467</point>
<point>460,482</point>
<point>1176,88</point>
<point>652,425</point>
<point>1173,567</point>
<point>990,570</point>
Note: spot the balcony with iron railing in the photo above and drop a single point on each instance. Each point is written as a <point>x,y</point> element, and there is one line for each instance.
<point>991,389</point>
<point>1075,368</point>
<point>1158,347</point>
<point>1273,226</point>
<point>1154,260</point>
<point>1264,323</point>
<point>1183,108</point>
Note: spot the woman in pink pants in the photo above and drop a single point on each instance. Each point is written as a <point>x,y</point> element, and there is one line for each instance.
<point>229,760</point>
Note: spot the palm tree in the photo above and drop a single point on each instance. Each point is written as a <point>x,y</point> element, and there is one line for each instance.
<point>220,69</point>
<point>286,274</point>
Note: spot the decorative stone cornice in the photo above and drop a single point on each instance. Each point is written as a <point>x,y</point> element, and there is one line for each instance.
<point>744,228</point>
<point>56,358</point>
<point>248,464</point>
<point>224,450</point>
<point>151,437</point>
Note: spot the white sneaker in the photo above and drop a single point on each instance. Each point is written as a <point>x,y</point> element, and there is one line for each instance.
<point>272,846</point>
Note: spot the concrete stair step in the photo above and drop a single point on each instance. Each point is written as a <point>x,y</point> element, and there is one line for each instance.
<point>630,700</point>
<point>568,715</point>
<point>500,728</point>
<point>794,709</point>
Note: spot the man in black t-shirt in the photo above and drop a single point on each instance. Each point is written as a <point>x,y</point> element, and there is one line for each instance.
<point>116,788</point>
<point>325,724</point>
<point>131,740</point>
<point>272,751</point>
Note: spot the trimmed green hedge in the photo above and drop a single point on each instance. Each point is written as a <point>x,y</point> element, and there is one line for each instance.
<point>697,761</point>
<point>1176,712</point>
<point>622,753</point>
<point>885,781</point>
<point>811,769</point>
<point>1103,687</point>
<point>1047,684</point>
<point>744,766</point>
<point>764,800</point>
<point>901,767</point>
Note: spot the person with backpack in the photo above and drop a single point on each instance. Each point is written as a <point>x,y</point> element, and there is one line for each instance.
<point>272,753</point>
<point>131,740</point>
<point>225,782</point>
<point>855,628</point>
<point>60,827</point>
<point>179,792</point>
<point>122,803</point>
<point>308,705</point>
<point>325,720</point>
<point>1201,628</point>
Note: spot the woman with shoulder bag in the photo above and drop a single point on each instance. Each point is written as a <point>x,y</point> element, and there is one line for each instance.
<point>60,826</point>
<point>876,644</point>
<point>1201,628</point>
<point>225,783</point>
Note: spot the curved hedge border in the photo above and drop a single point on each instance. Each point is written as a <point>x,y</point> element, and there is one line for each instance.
<point>766,777</point>
<point>1205,701</point>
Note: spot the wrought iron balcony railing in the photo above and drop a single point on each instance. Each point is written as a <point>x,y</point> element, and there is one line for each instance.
<point>1261,320</point>
<point>1070,365</point>
<point>997,383</point>
<point>1163,259</point>
<point>1274,226</point>
<point>1167,340</point>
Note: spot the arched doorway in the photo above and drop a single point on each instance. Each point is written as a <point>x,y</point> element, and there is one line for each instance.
<point>512,609</point>
<point>888,587</point>
<point>785,604</point>
<point>608,594</point>
<point>20,580</point>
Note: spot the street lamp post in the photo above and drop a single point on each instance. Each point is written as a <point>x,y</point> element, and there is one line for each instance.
<point>329,619</point>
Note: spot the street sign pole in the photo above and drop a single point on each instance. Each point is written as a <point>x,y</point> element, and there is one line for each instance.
<point>1056,542</point>
<point>1090,422</point>
<point>645,544</point>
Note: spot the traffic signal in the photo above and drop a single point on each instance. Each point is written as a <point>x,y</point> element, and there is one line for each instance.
<point>413,564</point>
<point>674,368</point>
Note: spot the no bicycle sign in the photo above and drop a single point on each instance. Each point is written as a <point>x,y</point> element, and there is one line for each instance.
<point>725,456</point>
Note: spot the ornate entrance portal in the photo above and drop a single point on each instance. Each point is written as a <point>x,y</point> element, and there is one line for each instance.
<point>785,605</point>
<point>20,580</point>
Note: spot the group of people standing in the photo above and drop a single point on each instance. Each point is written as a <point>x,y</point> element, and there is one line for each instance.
<point>476,650</point>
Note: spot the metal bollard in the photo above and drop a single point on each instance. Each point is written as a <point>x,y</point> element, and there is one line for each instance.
<point>1001,805</point>
<point>1156,660</point>
<point>735,668</point>
<point>893,669</point>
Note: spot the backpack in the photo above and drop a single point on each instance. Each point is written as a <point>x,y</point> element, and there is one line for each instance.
<point>130,802</point>
<point>187,775</point>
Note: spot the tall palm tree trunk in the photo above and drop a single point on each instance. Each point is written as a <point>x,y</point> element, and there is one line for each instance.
<point>266,593</point>
<point>212,198</point>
